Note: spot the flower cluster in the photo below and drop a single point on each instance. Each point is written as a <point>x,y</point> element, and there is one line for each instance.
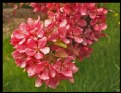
<point>48,50</point>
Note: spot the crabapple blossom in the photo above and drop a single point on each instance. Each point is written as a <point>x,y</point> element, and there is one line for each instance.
<point>47,50</point>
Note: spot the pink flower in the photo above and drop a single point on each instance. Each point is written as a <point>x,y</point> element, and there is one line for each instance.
<point>84,52</point>
<point>64,70</point>
<point>31,66</point>
<point>45,71</point>
<point>32,28</point>
<point>37,48</point>
<point>76,34</point>
<point>53,82</point>
<point>65,67</point>
<point>19,36</point>
<point>21,58</point>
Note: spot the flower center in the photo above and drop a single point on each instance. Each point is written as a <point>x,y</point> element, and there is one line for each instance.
<point>37,49</point>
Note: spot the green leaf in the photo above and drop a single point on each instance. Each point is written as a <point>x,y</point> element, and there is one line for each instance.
<point>61,44</point>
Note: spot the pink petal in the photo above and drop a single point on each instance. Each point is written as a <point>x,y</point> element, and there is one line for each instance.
<point>103,26</point>
<point>34,30</point>
<point>47,22</point>
<point>40,66</point>
<point>105,11</point>
<point>45,50</point>
<point>93,22</point>
<point>30,52</point>
<point>40,34</point>
<point>67,9</point>
<point>42,42</point>
<point>96,27</point>
<point>44,75</point>
<point>31,43</point>
<point>78,40</point>
<point>63,23</point>
<point>77,31</point>
<point>23,64</point>
<point>52,72</point>
<point>89,42</point>
<point>69,59</point>
<point>23,28</point>
<point>31,71</point>
<point>83,10</point>
<point>18,62</point>
<point>61,9</point>
<point>38,82</point>
<point>30,22</point>
<point>68,26</point>
<point>73,67</point>
<point>82,23</point>
<point>21,48</point>
<point>62,32</point>
<point>66,41</point>
<point>28,58</point>
<point>14,41</point>
<point>52,82</point>
<point>38,55</point>
<point>62,77</point>
<point>22,41</point>
<point>37,23</point>
<point>92,15</point>
<point>50,14</point>
<point>71,80</point>
<point>84,42</point>
<point>16,54</point>
<point>18,34</point>
<point>67,73</point>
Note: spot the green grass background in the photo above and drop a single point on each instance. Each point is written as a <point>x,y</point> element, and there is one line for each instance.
<point>99,73</point>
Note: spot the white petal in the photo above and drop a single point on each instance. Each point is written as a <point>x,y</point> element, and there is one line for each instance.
<point>45,50</point>
<point>63,23</point>
<point>47,22</point>
<point>38,83</point>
